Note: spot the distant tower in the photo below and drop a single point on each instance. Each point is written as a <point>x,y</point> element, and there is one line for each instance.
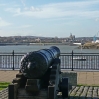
<point>94,38</point>
<point>70,35</point>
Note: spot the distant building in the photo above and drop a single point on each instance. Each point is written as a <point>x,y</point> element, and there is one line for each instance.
<point>38,40</point>
<point>97,41</point>
<point>72,37</point>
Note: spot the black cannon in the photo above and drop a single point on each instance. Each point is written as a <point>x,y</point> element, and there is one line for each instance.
<point>35,64</point>
<point>40,75</point>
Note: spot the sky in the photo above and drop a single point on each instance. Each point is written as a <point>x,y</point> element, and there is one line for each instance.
<point>49,18</point>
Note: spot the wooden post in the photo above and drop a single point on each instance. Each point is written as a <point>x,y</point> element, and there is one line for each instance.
<point>12,91</point>
<point>51,92</point>
<point>13,88</point>
<point>54,80</point>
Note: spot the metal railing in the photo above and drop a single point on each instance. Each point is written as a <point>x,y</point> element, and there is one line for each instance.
<point>10,60</point>
<point>82,61</point>
<point>72,61</point>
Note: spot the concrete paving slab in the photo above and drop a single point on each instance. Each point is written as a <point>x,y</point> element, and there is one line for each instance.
<point>83,77</point>
<point>8,75</point>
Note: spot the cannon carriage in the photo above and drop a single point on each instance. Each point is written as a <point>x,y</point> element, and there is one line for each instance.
<point>39,76</point>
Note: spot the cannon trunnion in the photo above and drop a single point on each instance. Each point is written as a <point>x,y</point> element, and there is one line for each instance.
<point>39,76</point>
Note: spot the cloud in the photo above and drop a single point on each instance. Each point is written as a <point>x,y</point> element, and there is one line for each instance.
<point>23,2</point>
<point>25,26</point>
<point>16,5</point>
<point>4,23</point>
<point>32,9</point>
<point>2,4</point>
<point>59,10</point>
<point>13,10</point>
<point>97,19</point>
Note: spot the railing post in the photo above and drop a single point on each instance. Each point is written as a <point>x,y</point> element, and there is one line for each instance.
<point>13,58</point>
<point>72,60</point>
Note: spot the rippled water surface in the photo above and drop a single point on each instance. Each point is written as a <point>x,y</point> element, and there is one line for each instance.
<point>63,48</point>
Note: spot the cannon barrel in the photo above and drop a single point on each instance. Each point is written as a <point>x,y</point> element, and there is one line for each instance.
<point>35,64</point>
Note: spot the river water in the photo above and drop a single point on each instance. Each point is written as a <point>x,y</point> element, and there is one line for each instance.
<point>25,49</point>
<point>92,62</point>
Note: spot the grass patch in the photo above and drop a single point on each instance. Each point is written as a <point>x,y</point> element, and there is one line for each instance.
<point>1,88</point>
<point>88,85</point>
<point>4,85</point>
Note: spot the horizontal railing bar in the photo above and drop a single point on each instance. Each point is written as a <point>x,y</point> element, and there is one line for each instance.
<point>80,53</point>
<point>60,53</point>
<point>11,55</point>
<point>8,60</point>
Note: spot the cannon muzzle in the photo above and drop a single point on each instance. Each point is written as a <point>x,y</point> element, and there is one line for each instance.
<point>35,64</point>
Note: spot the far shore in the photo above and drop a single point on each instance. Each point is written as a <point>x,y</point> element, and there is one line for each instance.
<point>5,44</point>
<point>89,46</point>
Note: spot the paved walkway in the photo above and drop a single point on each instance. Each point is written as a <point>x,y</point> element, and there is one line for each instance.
<point>81,92</point>
<point>89,78</point>
<point>7,75</point>
<point>77,92</point>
